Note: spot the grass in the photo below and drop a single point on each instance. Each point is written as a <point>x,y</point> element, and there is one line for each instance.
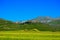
<point>19,35</point>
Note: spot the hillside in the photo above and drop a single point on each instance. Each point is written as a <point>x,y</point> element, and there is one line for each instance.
<point>38,24</point>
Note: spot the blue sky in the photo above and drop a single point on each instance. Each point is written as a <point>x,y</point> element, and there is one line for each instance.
<point>16,10</point>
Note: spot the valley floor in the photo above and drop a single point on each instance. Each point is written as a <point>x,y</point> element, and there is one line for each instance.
<point>19,35</point>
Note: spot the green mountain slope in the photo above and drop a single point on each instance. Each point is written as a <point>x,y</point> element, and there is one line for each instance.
<point>28,26</point>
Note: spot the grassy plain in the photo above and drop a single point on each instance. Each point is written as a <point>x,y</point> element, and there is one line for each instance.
<point>23,35</point>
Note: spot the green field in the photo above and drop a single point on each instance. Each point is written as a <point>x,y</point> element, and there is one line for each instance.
<point>18,35</point>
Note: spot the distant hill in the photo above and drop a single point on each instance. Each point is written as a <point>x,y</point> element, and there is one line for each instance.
<point>36,24</point>
<point>47,20</point>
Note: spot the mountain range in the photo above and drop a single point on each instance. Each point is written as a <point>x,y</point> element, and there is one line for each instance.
<point>38,23</point>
